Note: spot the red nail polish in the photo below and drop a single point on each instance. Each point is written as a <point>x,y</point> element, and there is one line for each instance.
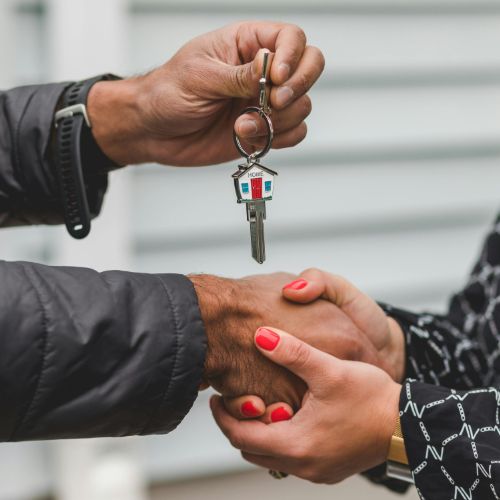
<point>280,414</point>
<point>266,339</point>
<point>296,285</point>
<point>249,410</point>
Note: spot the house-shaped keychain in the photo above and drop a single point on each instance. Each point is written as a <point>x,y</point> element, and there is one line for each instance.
<point>254,182</point>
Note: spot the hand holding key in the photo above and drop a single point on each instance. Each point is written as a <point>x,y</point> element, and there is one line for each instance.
<point>183,112</point>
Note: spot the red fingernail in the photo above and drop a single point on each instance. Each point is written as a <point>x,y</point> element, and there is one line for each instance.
<point>266,339</point>
<point>280,414</point>
<point>249,410</point>
<point>296,285</point>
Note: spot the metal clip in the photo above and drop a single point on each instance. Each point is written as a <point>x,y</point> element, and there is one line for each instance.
<point>263,99</point>
<point>76,109</point>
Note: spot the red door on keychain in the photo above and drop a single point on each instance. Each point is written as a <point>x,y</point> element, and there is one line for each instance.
<point>257,188</point>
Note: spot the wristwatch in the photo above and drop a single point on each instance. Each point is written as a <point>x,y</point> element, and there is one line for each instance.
<point>397,460</point>
<point>78,158</point>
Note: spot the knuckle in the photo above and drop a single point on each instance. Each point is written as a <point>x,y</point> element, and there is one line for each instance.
<point>239,80</point>
<point>339,376</point>
<point>307,106</point>
<point>236,440</point>
<point>304,82</point>
<point>310,474</point>
<point>313,270</point>
<point>319,56</point>
<point>299,452</point>
<point>300,34</point>
<point>302,133</point>
<point>298,355</point>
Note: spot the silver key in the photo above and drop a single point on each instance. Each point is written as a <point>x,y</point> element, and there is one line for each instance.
<point>256,215</point>
<point>254,185</point>
<point>253,182</point>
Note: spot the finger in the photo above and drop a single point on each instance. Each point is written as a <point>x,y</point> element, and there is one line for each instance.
<point>313,366</point>
<point>286,139</point>
<point>250,126</point>
<point>268,462</point>
<point>242,81</point>
<point>277,412</point>
<point>356,304</point>
<point>308,71</point>
<point>287,41</point>
<point>306,289</point>
<point>289,49</point>
<point>291,137</point>
<point>250,435</point>
<point>245,407</point>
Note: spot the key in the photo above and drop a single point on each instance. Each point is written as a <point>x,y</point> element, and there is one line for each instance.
<point>256,215</point>
<point>253,182</point>
<point>254,185</point>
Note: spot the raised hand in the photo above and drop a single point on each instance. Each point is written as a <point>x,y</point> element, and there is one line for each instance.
<point>183,113</point>
<point>343,427</point>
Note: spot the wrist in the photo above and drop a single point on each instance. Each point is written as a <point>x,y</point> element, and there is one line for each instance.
<point>116,117</point>
<point>397,350</point>
<point>221,310</point>
<point>389,422</point>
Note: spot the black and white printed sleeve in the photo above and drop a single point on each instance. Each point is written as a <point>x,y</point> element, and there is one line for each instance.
<point>449,404</point>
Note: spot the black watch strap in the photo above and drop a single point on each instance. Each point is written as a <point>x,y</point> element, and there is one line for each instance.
<point>78,156</point>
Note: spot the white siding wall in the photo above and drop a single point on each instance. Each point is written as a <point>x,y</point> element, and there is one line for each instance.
<point>394,186</point>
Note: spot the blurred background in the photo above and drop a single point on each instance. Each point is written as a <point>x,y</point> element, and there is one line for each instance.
<point>394,188</point>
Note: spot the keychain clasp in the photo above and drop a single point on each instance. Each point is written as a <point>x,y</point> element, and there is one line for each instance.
<point>263,98</point>
<point>264,111</point>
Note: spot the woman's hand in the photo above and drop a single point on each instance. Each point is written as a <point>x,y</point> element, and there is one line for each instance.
<point>382,331</point>
<point>183,113</point>
<point>343,427</point>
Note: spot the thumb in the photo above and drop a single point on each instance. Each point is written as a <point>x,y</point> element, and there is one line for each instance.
<point>308,288</point>
<point>242,81</point>
<point>308,363</point>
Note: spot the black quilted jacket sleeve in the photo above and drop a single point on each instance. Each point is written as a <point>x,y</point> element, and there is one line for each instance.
<point>83,354</point>
<point>28,187</point>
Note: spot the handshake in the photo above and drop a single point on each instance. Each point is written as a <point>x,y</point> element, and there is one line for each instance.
<point>309,370</point>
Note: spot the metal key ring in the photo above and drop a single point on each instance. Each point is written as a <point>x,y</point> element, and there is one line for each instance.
<point>270,134</point>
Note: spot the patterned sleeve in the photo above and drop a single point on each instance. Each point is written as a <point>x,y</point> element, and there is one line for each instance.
<point>452,441</point>
<point>449,414</point>
<point>461,349</point>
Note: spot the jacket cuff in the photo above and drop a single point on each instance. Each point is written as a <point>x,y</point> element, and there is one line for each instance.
<point>34,164</point>
<point>417,355</point>
<point>191,345</point>
<point>430,422</point>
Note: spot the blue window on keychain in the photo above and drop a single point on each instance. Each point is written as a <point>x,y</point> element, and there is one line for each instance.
<point>267,186</point>
<point>244,187</point>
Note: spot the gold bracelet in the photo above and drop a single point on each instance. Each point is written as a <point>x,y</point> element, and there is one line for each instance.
<point>397,450</point>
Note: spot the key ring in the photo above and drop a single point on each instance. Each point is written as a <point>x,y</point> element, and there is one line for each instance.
<point>270,134</point>
<point>264,112</point>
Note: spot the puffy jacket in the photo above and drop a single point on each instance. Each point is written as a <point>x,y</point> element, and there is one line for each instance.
<point>82,353</point>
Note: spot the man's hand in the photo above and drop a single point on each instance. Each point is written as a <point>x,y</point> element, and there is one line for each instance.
<point>383,331</point>
<point>183,113</point>
<point>344,426</point>
<point>233,309</point>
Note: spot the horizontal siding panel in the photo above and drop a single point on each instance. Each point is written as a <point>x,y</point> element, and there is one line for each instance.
<point>199,204</point>
<point>399,267</point>
<point>352,44</point>
<point>375,118</point>
<point>435,7</point>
